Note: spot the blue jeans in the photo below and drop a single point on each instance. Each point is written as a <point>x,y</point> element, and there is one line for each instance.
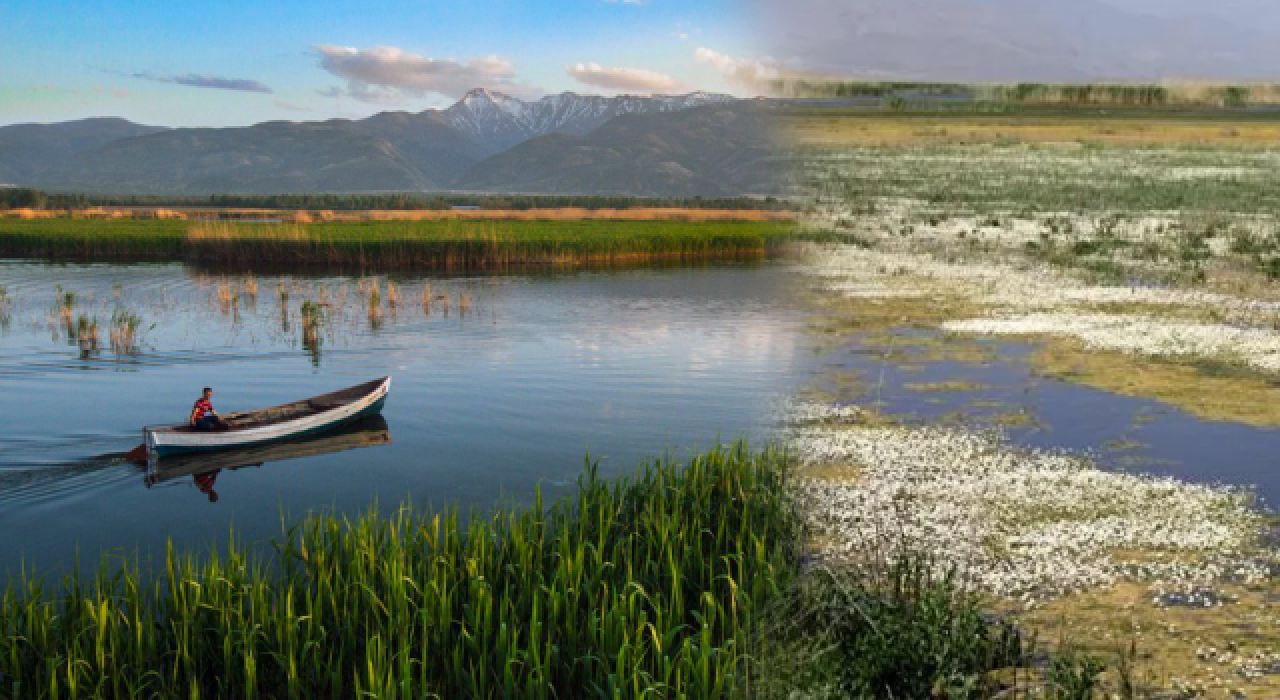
<point>209,422</point>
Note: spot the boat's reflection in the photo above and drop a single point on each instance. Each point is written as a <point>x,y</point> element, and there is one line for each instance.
<point>205,468</point>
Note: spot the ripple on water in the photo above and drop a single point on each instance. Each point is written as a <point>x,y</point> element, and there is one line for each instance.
<point>31,490</point>
<point>541,371</point>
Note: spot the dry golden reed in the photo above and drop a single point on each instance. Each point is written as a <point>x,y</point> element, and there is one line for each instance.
<point>215,216</point>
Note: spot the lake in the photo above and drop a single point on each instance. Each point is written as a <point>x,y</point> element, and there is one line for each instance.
<point>501,384</point>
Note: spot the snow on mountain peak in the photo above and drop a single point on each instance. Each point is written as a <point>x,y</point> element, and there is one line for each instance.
<point>506,120</point>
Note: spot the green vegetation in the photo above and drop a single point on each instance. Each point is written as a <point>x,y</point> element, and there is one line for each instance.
<point>1021,178</point>
<point>22,198</point>
<point>391,244</point>
<point>1016,96</point>
<point>682,583</point>
<point>18,198</point>
<point>314,316</point>
<point>126,332</point>
<point>1125,235</point>
<point>84,334</point>
<point>899,632</point>
<point>649,587</point>
<point>6,304</point>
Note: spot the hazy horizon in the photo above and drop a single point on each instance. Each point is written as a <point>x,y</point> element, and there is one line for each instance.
<point>1023,40</point>
<point>243,63</point>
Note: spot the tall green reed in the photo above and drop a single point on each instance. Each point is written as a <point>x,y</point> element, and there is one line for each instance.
<point>394,244</point>
<point>648,587</point>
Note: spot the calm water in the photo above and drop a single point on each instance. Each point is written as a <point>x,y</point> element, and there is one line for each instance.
<point>506,387</point>
<point>1121,433</point>
<point>501,384</point>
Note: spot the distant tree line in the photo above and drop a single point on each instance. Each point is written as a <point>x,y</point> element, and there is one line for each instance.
<point>22,198</point>
<point>904,95</point>
<point>13,198</point>
<point>1125,95</point>
<point>886,89</point>
<point>28,198</point>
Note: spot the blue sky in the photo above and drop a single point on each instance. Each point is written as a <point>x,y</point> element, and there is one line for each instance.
<point>240,62</point>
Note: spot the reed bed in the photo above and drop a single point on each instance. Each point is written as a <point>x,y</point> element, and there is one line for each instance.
<point>310,215</point>
<point>7,303</point>
<point>570,214</point>
<point>64,305</point>
<point>84,334</point>
<point>646,587</point>
<point>249,287</point>
<point>126,332</point>
<point>314,315</point>
<point>226,296</point>
<point>466,245</point>
<point>444,243</point>
<point>62,238</point>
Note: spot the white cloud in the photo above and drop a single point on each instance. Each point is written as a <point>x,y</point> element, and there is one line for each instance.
<point>386,74</point>
<point>619,78</point>
<point>755,73</point>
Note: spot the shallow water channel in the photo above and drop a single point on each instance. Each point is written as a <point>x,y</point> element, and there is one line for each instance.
<point>927,377</point>
<point>500,384</point>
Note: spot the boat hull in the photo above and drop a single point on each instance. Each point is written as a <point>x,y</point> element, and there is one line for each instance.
<point>164,443</point>
<point>360,433</point>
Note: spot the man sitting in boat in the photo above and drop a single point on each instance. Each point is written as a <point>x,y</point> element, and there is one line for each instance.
<point>203,417</point>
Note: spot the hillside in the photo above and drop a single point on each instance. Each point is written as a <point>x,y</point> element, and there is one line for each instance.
<point>696,144</point>
<point>29,151</point>
<point>718,150</point>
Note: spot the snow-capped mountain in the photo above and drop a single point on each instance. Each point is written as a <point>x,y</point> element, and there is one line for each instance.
<point>504,121</point>
<point>652,146</point>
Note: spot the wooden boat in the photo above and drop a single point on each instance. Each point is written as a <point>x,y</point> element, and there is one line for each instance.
<point>357,434</point>
<point>291,420</point>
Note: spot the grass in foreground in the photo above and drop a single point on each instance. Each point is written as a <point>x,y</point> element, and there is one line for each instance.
<point>641,588</point>
<point>683,583</point>
<point>392,244</point>
<point>897,632</point>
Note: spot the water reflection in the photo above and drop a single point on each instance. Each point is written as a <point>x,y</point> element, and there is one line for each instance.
<point>543,368</point>
<point>205,469</point>
<point>927,378</point>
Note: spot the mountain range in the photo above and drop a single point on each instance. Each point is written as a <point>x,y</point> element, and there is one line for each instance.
<point>687,145</point>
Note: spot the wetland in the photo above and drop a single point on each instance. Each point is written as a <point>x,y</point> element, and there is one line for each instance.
<point>1053,368</point>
